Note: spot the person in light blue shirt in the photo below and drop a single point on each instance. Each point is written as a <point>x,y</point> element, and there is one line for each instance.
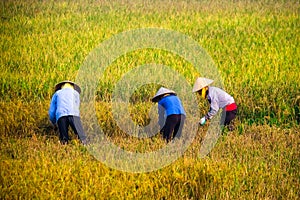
<point>64,110</point>
<point>171,113</point>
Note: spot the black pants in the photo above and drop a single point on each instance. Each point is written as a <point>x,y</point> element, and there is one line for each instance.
<point>173,127</point>
<point>229,116</point>
<point>63,127</point>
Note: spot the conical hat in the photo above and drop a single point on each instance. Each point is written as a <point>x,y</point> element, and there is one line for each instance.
<point>201,83</point>
<point>59,85</point>
<point>162,91</point>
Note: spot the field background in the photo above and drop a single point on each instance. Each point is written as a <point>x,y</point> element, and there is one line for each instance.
<point>255,46</point>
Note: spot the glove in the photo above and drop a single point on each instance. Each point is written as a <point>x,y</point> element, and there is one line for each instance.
<point>202,121</point>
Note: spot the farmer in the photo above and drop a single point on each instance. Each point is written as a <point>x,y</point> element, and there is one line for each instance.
<point>217,99</point>
<point>64,111</point>
<point>171,113</point>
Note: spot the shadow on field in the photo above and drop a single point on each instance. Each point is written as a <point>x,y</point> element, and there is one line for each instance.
<point>45,128</point>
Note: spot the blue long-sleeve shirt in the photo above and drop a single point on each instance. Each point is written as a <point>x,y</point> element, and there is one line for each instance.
<point>64,102</point>
<point>169,105</point>
<point>217,98</point>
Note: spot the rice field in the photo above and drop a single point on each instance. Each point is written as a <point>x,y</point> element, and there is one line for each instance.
<point>254,46</point>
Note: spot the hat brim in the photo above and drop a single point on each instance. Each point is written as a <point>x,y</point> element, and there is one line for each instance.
<point>59,85</point>
<point>158,97</point>
<point>198,86</point>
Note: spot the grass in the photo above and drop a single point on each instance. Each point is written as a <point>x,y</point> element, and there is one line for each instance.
<point>255,46</point>
<point>247,166</point>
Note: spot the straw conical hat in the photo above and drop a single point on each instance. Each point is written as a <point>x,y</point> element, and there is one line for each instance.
<point>201,83</point>
<point>162,91</point>
<point>59,85</point>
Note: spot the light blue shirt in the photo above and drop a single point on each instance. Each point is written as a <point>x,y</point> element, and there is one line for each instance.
<point>64,102</point>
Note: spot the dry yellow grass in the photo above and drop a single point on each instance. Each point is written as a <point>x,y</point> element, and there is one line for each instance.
<point>255,46</point>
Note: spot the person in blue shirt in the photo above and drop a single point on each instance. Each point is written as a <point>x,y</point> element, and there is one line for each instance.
<point>171,113</point>
<point>64,111</point>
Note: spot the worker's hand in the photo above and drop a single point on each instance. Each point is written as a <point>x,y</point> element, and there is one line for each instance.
<point>202,121</point>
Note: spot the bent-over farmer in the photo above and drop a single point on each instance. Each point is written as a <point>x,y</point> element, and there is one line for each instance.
<point>217,99</point>
<point>64,110</point>
<point>171,113</point>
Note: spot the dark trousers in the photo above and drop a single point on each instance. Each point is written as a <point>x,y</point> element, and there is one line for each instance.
<point>173,127</point>
<point>229,116</point>
<point>63,127</point>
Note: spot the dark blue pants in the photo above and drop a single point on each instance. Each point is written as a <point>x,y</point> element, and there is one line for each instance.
<point>173,127</point>
<point>63,127</point>
<point>229,116</point>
